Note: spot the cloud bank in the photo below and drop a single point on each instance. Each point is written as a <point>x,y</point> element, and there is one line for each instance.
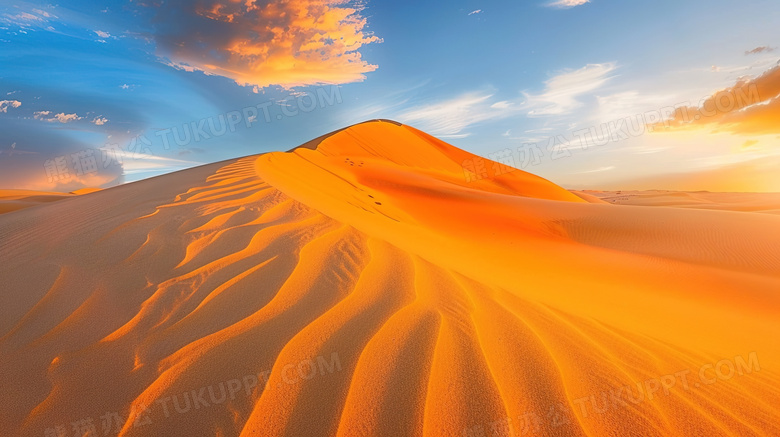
<point>751,106</point>
<point>263,43</point>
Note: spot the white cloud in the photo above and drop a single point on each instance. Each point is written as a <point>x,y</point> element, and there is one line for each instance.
<point>5,104</point>
<point>99,121</point>
<point>102,34</point>
<point>154,164</point>
<point>566,4</point>
<point>600,169</point>
<point>42,13</point>
<point>502,105</point>
<point>61,117</point>
<point>454,136</point>
<point>23,17</point>
<point>67,118</point>
<point>450,118</point>
<point>628,104</point>
<point>478,11</point>
<point>35,18</point>
<point>562,91</point>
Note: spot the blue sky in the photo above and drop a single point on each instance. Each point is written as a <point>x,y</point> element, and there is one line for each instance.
<point>147,89</point>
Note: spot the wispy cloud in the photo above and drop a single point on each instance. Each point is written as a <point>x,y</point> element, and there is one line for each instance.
<point>757,50</point>
<point>600,169</point>
<point>502,105</point>
<point>478,11</point>
<point>562,91</point>
<point>34,18</point>
<point>22,17</point>
<point>154,164</point>
<point>43,13</point>
<point>628,103</point>
<point>749,143</point>
<point>451,117</point>
<point>566,4</point>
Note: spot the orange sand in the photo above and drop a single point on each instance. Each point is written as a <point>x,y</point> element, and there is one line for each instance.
<point>380,293</point>
<point>14,200</point>
<point>747,202</point>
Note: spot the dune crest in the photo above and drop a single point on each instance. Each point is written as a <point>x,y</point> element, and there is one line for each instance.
<point>363,286</point>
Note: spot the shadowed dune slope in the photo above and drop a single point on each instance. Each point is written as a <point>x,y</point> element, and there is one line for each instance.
<point>362,286</point>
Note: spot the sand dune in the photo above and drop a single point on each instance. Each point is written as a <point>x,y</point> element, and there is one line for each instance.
<point>768,203</point>
<point>14,200</point>
<point>361,285</point>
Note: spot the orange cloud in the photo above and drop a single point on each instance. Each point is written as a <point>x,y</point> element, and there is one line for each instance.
<point>278,42</point>
<point>759,175</point>
<point>61,117</point>
<point>757,50</point>
<point>751,106</point>
<point>28,172</point>
<point>5,104</point>
<point>749,143</point>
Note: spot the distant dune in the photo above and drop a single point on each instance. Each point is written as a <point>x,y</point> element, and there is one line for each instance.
<point>768,203</point>
<point>365,285</point>
<point>14,200</point>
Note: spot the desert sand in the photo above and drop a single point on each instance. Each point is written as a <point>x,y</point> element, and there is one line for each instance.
<point>362,285</point>
<point>768,203</point>
<point>14,200</point>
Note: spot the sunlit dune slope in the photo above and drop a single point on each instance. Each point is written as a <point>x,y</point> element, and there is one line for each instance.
<point>362,285</point>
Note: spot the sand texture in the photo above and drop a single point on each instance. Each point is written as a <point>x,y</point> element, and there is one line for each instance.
<point>363,286</point>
